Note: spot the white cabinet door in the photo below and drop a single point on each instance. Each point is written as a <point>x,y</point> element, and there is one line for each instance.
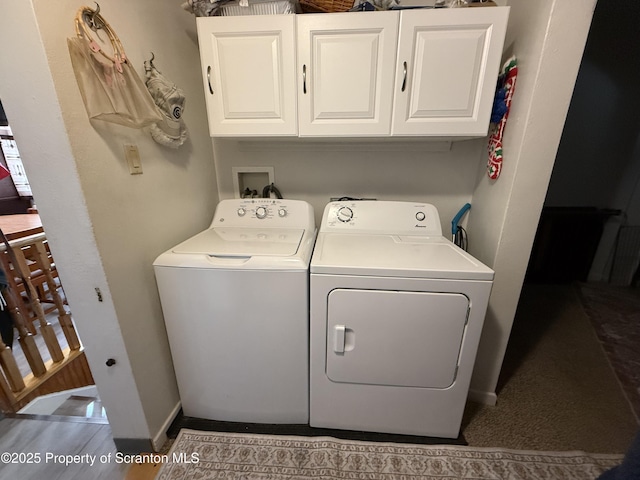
<point>447,67</point>
<point>346,64</point>
<point>248,67</point>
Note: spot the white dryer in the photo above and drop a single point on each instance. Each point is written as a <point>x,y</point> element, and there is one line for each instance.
<point>396,315</point>
<point>235,300</point>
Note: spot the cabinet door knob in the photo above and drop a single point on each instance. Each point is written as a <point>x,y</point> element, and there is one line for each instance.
<point>209,79</point>
<point>111,362</point>
<point>404,75</point>
<point>304,79</point>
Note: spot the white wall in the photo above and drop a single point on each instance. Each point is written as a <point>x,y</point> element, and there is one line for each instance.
<point>598,160</point>
<point>437,172</point>
<point>548,38</point>
<point>591,155</point>
<point>106,226</point>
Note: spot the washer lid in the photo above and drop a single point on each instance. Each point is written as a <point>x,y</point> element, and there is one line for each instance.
<point>243,242</point>
<point>395,256</point>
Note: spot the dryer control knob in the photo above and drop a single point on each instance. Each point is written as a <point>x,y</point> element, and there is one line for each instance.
<point>241,212</point>
<point>345,214</point>
<point>420,216</point>
<point>282,212</point>
<point>261,212</point>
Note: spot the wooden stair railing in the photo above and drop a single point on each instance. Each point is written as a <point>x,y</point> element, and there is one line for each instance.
<point>26,262</point>
<point>72,372</point>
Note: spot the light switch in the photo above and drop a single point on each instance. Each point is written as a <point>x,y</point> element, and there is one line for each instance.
<point>132,155</point>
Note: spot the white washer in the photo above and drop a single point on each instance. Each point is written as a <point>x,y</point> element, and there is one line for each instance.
<point>235,300</point>
<point>396,316</point>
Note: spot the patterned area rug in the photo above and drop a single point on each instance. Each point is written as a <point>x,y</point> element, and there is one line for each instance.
<point>615,315</point>
<point>212,455</point>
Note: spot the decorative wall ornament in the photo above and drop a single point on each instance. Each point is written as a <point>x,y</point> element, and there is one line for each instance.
<point>501,107</point>
<point>170,100</point>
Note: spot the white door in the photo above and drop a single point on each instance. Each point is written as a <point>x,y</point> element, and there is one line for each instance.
<point>346,65</point>
<point>447,67</point>
<point>248,67</point>
<point>381,337</point>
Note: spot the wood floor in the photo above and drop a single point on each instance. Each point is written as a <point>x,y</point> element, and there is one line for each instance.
<point>53,442</point>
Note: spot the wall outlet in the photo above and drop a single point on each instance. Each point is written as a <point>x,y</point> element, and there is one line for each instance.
<point>252,178</point>
<point>132,155</point>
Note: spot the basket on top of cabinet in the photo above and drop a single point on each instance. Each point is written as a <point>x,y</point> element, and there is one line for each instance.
<point>325,6</point>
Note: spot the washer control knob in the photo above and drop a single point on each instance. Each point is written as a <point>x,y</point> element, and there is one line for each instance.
<point>282,212</point>
<point>345,214</point>
<point>241,212</point>
<point>420,216</point>
<point>261,212</point>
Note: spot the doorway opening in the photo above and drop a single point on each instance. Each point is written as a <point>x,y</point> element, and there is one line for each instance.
<point>43,368</point>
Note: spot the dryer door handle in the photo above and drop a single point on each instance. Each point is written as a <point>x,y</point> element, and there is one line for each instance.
<point>339,338</point>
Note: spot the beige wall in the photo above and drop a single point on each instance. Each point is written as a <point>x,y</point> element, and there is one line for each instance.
<point>442,173</point>
<point>548,38</point>
<point>105,225</point>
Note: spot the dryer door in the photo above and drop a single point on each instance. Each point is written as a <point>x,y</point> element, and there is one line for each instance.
<point>383,337</point>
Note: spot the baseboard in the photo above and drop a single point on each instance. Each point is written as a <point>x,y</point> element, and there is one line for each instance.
<point>161,437</point>
<point>486,398</point>
<point>146,445</point>
<point>133,446</point>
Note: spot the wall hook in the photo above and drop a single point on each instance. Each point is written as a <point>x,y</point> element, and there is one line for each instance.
<point>92,18</point>
<point>147,68</point>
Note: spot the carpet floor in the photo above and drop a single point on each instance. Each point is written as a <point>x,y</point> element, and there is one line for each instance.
<point>615,315</point>
<point>557,391</point>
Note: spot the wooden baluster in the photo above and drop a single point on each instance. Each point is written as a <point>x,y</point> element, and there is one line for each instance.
<point>7,398</point>
<point>46,329</point>
<point>64,317</point>
<point>42,259</point>
<point>10,368</point>
<point>14,286</point>
<point>27,342</point>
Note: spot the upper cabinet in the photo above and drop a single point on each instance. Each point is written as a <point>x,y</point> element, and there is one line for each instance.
<point>347,62</point>
<point>448,63</point>
<point>249,74</point>
<point>409,73</point>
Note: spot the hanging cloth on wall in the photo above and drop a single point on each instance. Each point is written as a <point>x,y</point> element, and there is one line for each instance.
<point>501,107</point>
<point>171,130</point>
<point>4,172</point>
<point>111,89</point>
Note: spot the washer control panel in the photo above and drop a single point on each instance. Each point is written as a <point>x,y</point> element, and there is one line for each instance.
<point>263,212</point>
<point>398,218</point>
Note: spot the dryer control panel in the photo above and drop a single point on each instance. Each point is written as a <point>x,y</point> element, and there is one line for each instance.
<point>366,216</point>
<point>264,212</point>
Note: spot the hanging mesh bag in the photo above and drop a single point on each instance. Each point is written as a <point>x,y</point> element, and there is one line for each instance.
<point>109,85</point>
